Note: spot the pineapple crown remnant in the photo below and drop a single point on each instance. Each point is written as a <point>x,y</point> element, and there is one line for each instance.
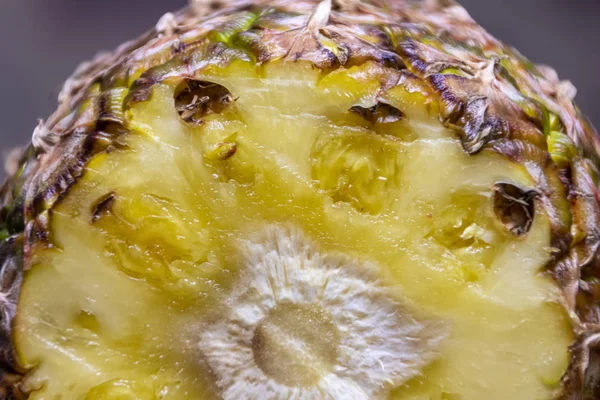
<point>488,94</point>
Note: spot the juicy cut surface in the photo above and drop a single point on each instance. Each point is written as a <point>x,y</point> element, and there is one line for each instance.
<point>281,231</point>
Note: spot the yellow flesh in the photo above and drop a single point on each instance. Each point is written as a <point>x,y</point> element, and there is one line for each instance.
<point>113,311</point>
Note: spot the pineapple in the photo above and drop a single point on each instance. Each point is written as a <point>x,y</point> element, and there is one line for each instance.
<point>305,200</point>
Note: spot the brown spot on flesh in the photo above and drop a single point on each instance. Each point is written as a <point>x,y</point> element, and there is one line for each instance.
<point>102,207</point>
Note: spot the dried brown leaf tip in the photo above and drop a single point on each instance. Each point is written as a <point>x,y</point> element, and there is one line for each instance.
<point>514,207</point>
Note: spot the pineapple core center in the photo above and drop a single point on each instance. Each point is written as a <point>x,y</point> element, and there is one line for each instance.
<point>296,345</point>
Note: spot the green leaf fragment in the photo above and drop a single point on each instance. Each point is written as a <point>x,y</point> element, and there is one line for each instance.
<point>553,122</point>
<point>114,104</point>
<point>455,71</point>
<point>226,31</point>
<point>561,149</point>
<point>332,46</point>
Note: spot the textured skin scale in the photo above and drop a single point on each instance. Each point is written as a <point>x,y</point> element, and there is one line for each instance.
<point>492,97</point>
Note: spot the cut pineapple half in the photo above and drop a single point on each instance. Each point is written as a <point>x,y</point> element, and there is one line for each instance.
<point>280,232</point>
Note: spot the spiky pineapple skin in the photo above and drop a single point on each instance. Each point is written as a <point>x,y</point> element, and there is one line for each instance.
<point>487,93</point>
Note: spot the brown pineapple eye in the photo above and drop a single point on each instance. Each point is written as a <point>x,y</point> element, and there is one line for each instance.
<point>514,207</point>
<point>196,99</point>
<point>380,113</point>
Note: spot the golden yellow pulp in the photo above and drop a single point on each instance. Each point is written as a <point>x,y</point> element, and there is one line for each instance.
<point>116,308</point>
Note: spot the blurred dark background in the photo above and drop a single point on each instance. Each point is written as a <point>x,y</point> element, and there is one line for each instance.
<point>42,41</point>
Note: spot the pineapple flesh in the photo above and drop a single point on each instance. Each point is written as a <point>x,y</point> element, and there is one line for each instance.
<point>305,200</point>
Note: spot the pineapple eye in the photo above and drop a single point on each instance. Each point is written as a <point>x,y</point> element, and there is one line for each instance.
<point>196,99</point>
<point>102,207</point>
<point>514,207</point>
<point>357,169</point>
<point>380,113</point>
